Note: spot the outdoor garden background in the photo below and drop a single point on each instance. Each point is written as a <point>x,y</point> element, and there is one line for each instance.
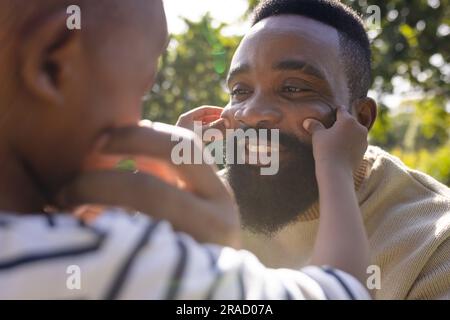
<point>411,69</point>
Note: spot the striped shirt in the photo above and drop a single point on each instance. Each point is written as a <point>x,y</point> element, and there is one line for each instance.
<point>121,256</point>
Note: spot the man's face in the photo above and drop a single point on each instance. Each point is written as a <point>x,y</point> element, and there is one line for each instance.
<point>105,90</point>
<point>287,69</point>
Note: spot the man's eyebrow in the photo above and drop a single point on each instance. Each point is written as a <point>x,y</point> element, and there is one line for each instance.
<point>240,69</point>
<point>298,65</point>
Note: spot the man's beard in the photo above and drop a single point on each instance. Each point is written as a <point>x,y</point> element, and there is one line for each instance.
<point>267,203</point>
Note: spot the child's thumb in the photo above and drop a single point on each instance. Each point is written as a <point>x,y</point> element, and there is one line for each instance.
<point>312,125</point>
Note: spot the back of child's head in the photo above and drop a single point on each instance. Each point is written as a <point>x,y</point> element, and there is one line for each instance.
<point>69,71</point>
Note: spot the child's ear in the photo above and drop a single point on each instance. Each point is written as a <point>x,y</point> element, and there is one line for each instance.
<point>48,54</point>
<point>366,111</point>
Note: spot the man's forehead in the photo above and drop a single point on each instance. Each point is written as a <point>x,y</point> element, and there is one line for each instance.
<point>286,36</point>
<point>297,24</point>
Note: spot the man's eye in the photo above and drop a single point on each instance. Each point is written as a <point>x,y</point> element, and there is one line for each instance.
<point>292,89</point>
<point>238,92</point>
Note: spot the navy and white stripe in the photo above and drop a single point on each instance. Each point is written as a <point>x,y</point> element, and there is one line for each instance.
<point>133,257</point>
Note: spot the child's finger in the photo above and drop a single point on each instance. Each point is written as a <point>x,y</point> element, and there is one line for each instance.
<point>313,126</point>
<point>124,189</point>
<point>99,161</point>
<point>158,169</point>
<point>209,119</point>
<point>158,142</point>
<point>198,114</point>
<point>206,111</point>
<point>88,213</point>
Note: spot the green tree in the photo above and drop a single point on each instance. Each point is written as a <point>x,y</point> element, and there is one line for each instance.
<point>193,72</point>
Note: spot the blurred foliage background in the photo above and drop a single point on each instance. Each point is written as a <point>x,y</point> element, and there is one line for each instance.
<point>411,50</point>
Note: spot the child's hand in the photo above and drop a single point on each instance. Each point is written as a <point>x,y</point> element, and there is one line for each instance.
<point>204,207</point>
<point>341,238</point>
<point>344,144</point>
<point>209,116</point>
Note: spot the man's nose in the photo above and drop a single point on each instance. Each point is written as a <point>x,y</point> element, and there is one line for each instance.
<point>258,114</point>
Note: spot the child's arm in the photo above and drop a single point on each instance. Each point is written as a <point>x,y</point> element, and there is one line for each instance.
<point>341,241</point>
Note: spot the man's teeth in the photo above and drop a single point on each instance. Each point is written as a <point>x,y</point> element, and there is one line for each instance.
<point>262,148</point>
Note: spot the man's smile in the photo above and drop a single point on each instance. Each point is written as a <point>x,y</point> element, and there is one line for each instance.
<point>258,153</point>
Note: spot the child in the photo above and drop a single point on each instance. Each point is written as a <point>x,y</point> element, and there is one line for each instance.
<point>73,92</point>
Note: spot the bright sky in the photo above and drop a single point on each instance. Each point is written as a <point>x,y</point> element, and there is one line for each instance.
<point>229,11</point>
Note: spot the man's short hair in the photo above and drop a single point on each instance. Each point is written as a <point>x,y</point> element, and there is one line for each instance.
<point>354,42</point>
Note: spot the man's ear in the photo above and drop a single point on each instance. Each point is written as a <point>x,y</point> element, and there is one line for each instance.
<point>366,111</point>
<point>48,53</point>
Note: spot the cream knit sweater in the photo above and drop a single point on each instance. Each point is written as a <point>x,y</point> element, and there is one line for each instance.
<point>407,218</point>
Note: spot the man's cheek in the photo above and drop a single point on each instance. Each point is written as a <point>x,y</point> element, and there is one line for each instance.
<point>320,111</point>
